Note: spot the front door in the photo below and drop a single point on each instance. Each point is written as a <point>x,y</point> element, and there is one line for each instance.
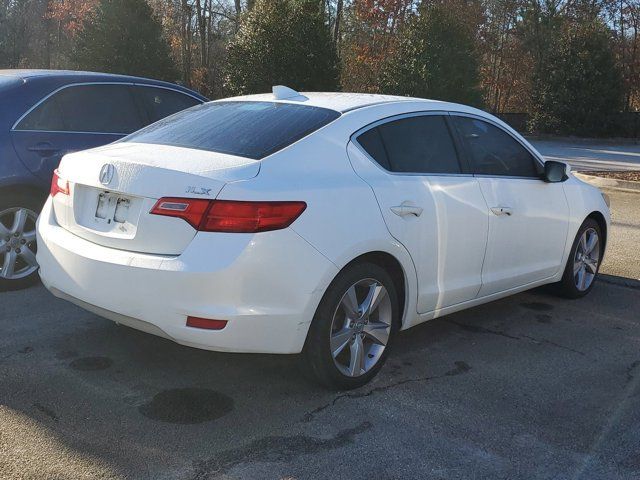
<point>428,203</point>
<point>528,218</point>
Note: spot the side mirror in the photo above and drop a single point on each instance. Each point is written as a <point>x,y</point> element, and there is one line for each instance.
<point>555,172</point>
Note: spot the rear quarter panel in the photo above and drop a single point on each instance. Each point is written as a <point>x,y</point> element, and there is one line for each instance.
<point>342,220</point>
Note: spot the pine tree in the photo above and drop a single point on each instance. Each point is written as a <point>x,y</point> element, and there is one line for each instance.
<point>435,57</point>
<point>282,42</point>
<point>124,36</point>
<point>579,88</point>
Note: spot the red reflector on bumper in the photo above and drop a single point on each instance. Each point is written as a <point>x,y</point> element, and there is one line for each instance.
<point>206,323</point>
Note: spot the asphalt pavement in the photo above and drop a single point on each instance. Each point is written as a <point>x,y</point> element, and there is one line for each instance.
<point>529,387</point>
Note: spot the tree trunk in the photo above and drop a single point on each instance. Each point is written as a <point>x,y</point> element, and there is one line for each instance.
<point>336,25</point>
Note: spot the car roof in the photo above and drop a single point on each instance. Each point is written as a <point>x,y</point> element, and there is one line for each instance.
<point>72,76</point>
<point>341,102</point>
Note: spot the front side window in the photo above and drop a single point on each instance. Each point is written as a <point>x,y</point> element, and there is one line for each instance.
<point>492,151</point>
<point>162,102</point>
<point>86,108</point>
<point>246,129</point>
<point>420,144</point>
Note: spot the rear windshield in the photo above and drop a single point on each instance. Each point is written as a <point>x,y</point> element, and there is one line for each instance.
<point>245,129</point>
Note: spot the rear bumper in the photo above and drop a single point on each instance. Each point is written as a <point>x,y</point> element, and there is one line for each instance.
<point>267,286</point>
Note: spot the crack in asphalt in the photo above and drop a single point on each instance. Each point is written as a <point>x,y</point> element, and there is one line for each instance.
<point>460,368</point>
<point>630,370</point>
<point>478,329</point>
<point>538,341</point>
<point>273,449</point>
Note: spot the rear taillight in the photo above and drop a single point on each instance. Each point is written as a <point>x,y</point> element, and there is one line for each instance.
<point>58,184</point>
<point>230,216</point>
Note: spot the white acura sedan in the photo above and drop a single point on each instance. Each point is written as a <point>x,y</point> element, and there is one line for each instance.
<point>319,223</point>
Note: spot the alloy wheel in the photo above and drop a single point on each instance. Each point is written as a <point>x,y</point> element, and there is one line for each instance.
<point>17,243</point>
<point>586,259</point>
<point>360,327</point>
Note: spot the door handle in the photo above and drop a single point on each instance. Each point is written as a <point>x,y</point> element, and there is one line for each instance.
<point>44,148</point>
<point>406,209</point>
<point>502,211</point>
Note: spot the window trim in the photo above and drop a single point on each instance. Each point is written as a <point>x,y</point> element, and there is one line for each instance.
<point>82,84</point>
<point>463,146</point>
<point>424,113</point>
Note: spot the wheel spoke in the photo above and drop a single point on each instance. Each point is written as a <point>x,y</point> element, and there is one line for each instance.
<point>576,267</point>
<point>356,364</point>
<point>378,332</point>
<point>9,264</point>
<point>583,243</point>
<point>591,265</point>
<point>582,277</point>
<point>376,293</point>
<point>19,220</point>
<point>28,256</point>
<point>29,236</point>
<point>4,231</point>
<point>350,303</point>
<point>591,243</point>
<point>339,340</point>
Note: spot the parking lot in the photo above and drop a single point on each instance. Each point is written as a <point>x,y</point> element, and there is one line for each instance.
<point>524,388</point>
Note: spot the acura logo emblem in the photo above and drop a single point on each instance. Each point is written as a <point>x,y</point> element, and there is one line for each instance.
<point>106,173</point>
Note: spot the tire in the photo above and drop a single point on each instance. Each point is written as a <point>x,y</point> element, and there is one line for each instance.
<point>573,285</point>
<point>16,241</point>
<point>361,339</point>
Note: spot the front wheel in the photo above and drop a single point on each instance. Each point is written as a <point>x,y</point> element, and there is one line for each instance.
<point>583,263</point>
<point>353,327</point>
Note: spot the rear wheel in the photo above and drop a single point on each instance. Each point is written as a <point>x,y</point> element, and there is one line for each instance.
<point>352,329</point>
<point>583,263</point>
<point>18,215</point>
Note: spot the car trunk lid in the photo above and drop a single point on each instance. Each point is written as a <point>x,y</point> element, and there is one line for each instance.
<point>112,189</point>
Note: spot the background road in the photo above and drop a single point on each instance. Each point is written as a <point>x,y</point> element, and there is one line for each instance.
<point>529,387</point>
<point>587,155</point>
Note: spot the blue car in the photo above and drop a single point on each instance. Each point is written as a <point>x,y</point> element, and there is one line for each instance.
<point>45,114</point>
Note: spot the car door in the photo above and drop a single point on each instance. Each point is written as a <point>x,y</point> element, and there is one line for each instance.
<point>76,117</point>
<point>428,201</point>
<point>528,218</point>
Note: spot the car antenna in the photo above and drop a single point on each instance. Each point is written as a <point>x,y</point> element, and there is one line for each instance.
<point>280,92</point>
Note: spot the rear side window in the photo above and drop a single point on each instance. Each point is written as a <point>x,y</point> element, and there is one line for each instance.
<point>246,129</point>
<point>86,108</point>
<point>421,144</point>
<point>161,102</point>
<point>492,151</point>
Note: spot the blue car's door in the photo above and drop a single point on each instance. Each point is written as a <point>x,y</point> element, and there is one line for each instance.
<point>75,118</point>
<point>42,151</point>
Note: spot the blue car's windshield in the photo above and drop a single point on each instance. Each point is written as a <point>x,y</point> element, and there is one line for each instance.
<point>246,129</point>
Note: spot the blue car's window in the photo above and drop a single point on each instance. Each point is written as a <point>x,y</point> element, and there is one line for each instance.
<point>162,102</point>
<point>106,108</point>
<point>246,129</point>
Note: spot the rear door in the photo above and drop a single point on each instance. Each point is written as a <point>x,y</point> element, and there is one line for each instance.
<point>74,118</point>
<point>429,203</point>
<point>528,218</point>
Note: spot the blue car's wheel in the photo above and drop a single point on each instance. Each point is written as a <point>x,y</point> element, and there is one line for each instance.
<point>18,215</point>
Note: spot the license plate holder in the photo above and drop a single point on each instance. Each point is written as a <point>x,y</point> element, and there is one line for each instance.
<point>112,208</point>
